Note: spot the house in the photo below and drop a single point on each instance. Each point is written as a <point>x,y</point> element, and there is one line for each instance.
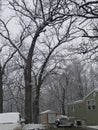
<point>85,110</point>
<point>48,117</point>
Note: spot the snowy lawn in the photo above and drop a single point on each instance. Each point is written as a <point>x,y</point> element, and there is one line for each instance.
<point>93,127</point>
<point>33,127</point>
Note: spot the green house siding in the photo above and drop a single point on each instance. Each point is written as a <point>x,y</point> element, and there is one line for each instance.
<point>92,113</point>
<point>77,110</point>
<point>86,109</point>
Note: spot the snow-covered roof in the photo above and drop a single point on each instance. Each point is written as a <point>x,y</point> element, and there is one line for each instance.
<point>94,90</point>
<point>12,117</point>
<point>76,102</point>
<point>48,111</point>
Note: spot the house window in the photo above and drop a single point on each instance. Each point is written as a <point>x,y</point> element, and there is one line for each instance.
<point>91,104</point>
<point>79,106</point>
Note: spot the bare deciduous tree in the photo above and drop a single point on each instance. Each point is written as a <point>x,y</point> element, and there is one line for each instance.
<point>2,72</point>
<point>35,18</point>
<point>86,11</point>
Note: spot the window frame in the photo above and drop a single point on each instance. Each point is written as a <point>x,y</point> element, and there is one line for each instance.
<point>91,104</point>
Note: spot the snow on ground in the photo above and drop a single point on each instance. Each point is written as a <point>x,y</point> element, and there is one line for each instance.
<point>33,126</point>
<point>93,127</point>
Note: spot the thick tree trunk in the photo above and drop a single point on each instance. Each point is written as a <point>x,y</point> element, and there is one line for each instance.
<point>28,81</point>
<point>36,111</point>
<point>63,101</point>
<point>28,95</point>
<point>63,109</point>
<point>36,105</point>
<point>1,91</point>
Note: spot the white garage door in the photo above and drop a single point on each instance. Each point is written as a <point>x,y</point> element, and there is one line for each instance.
<point>51,117</point>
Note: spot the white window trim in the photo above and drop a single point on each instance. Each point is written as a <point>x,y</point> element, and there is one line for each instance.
<point>91,104</point>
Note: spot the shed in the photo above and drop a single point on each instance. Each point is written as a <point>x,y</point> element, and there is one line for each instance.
<point>48,116</point>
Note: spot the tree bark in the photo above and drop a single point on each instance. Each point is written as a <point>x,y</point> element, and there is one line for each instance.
<point>63,101</point>
<point>28,94</point>
<point>36,110</point>
<point>1,91</point>
<point>28,79</point>
<point>36,105</point>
